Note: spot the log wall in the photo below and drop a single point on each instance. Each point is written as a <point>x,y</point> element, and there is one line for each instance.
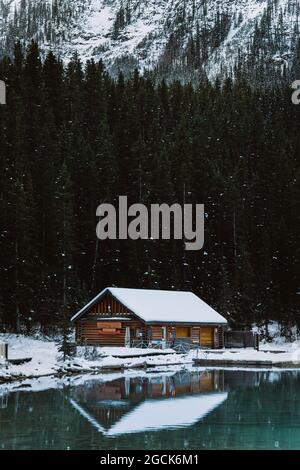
<point>112,333</point>
<point>96,333</point>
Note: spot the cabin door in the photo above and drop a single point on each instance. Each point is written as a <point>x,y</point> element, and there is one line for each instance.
<point>207,336</point>
<point>127,337</point>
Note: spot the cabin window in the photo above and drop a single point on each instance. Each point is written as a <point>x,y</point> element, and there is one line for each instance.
<point>182,332</point>
<point>138,333</point>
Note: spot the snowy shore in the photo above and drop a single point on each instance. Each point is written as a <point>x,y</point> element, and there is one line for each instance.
<point>46,361</point>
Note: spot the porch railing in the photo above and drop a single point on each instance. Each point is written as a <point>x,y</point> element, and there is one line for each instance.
<point>180,346</point>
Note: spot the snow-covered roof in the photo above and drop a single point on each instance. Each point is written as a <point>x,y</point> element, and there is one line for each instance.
<point>159,306</point>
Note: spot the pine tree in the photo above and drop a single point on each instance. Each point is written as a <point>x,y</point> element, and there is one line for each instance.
<point>67,289</point>
<point>72,137</point>
<point>66,346</point>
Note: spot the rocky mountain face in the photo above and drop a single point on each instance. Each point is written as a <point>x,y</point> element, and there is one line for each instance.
<point>184,39</point>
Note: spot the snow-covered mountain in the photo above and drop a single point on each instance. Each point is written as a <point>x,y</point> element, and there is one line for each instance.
<point>183,37</point>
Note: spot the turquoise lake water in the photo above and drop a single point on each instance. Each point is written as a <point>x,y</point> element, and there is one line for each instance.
<point>183,410</point>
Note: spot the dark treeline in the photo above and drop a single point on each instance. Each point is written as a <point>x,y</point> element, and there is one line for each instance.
<point>72,138</point>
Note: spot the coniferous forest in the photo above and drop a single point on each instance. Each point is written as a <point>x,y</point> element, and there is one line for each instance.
<point>71,138</point>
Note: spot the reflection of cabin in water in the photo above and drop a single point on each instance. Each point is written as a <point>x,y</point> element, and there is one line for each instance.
<point>147,403</point>
<point>135,317</point>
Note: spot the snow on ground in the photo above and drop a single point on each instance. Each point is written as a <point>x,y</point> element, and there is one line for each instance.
<point>46,360</point>
<point>125,352</point>
<point>275,333</point>
<point>43,353</point>
<point>39,384</point>
<point>271,353</point>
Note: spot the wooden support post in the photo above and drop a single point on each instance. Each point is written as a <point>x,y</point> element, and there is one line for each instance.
<point>3,351</point>
<point>257,341</point>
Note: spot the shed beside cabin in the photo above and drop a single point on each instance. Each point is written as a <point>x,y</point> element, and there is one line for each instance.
<point>132,317</point>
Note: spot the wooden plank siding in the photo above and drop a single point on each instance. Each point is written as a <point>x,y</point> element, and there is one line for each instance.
<point>195,334</point>
<point>92,333</point>
<point>156,332</point>
<point>112,333</point>
<point>109,306</point>
<point>221,340</point>
<point>89,334</point>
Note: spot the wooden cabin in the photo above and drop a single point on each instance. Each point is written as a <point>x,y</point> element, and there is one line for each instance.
<point>139,317</point>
